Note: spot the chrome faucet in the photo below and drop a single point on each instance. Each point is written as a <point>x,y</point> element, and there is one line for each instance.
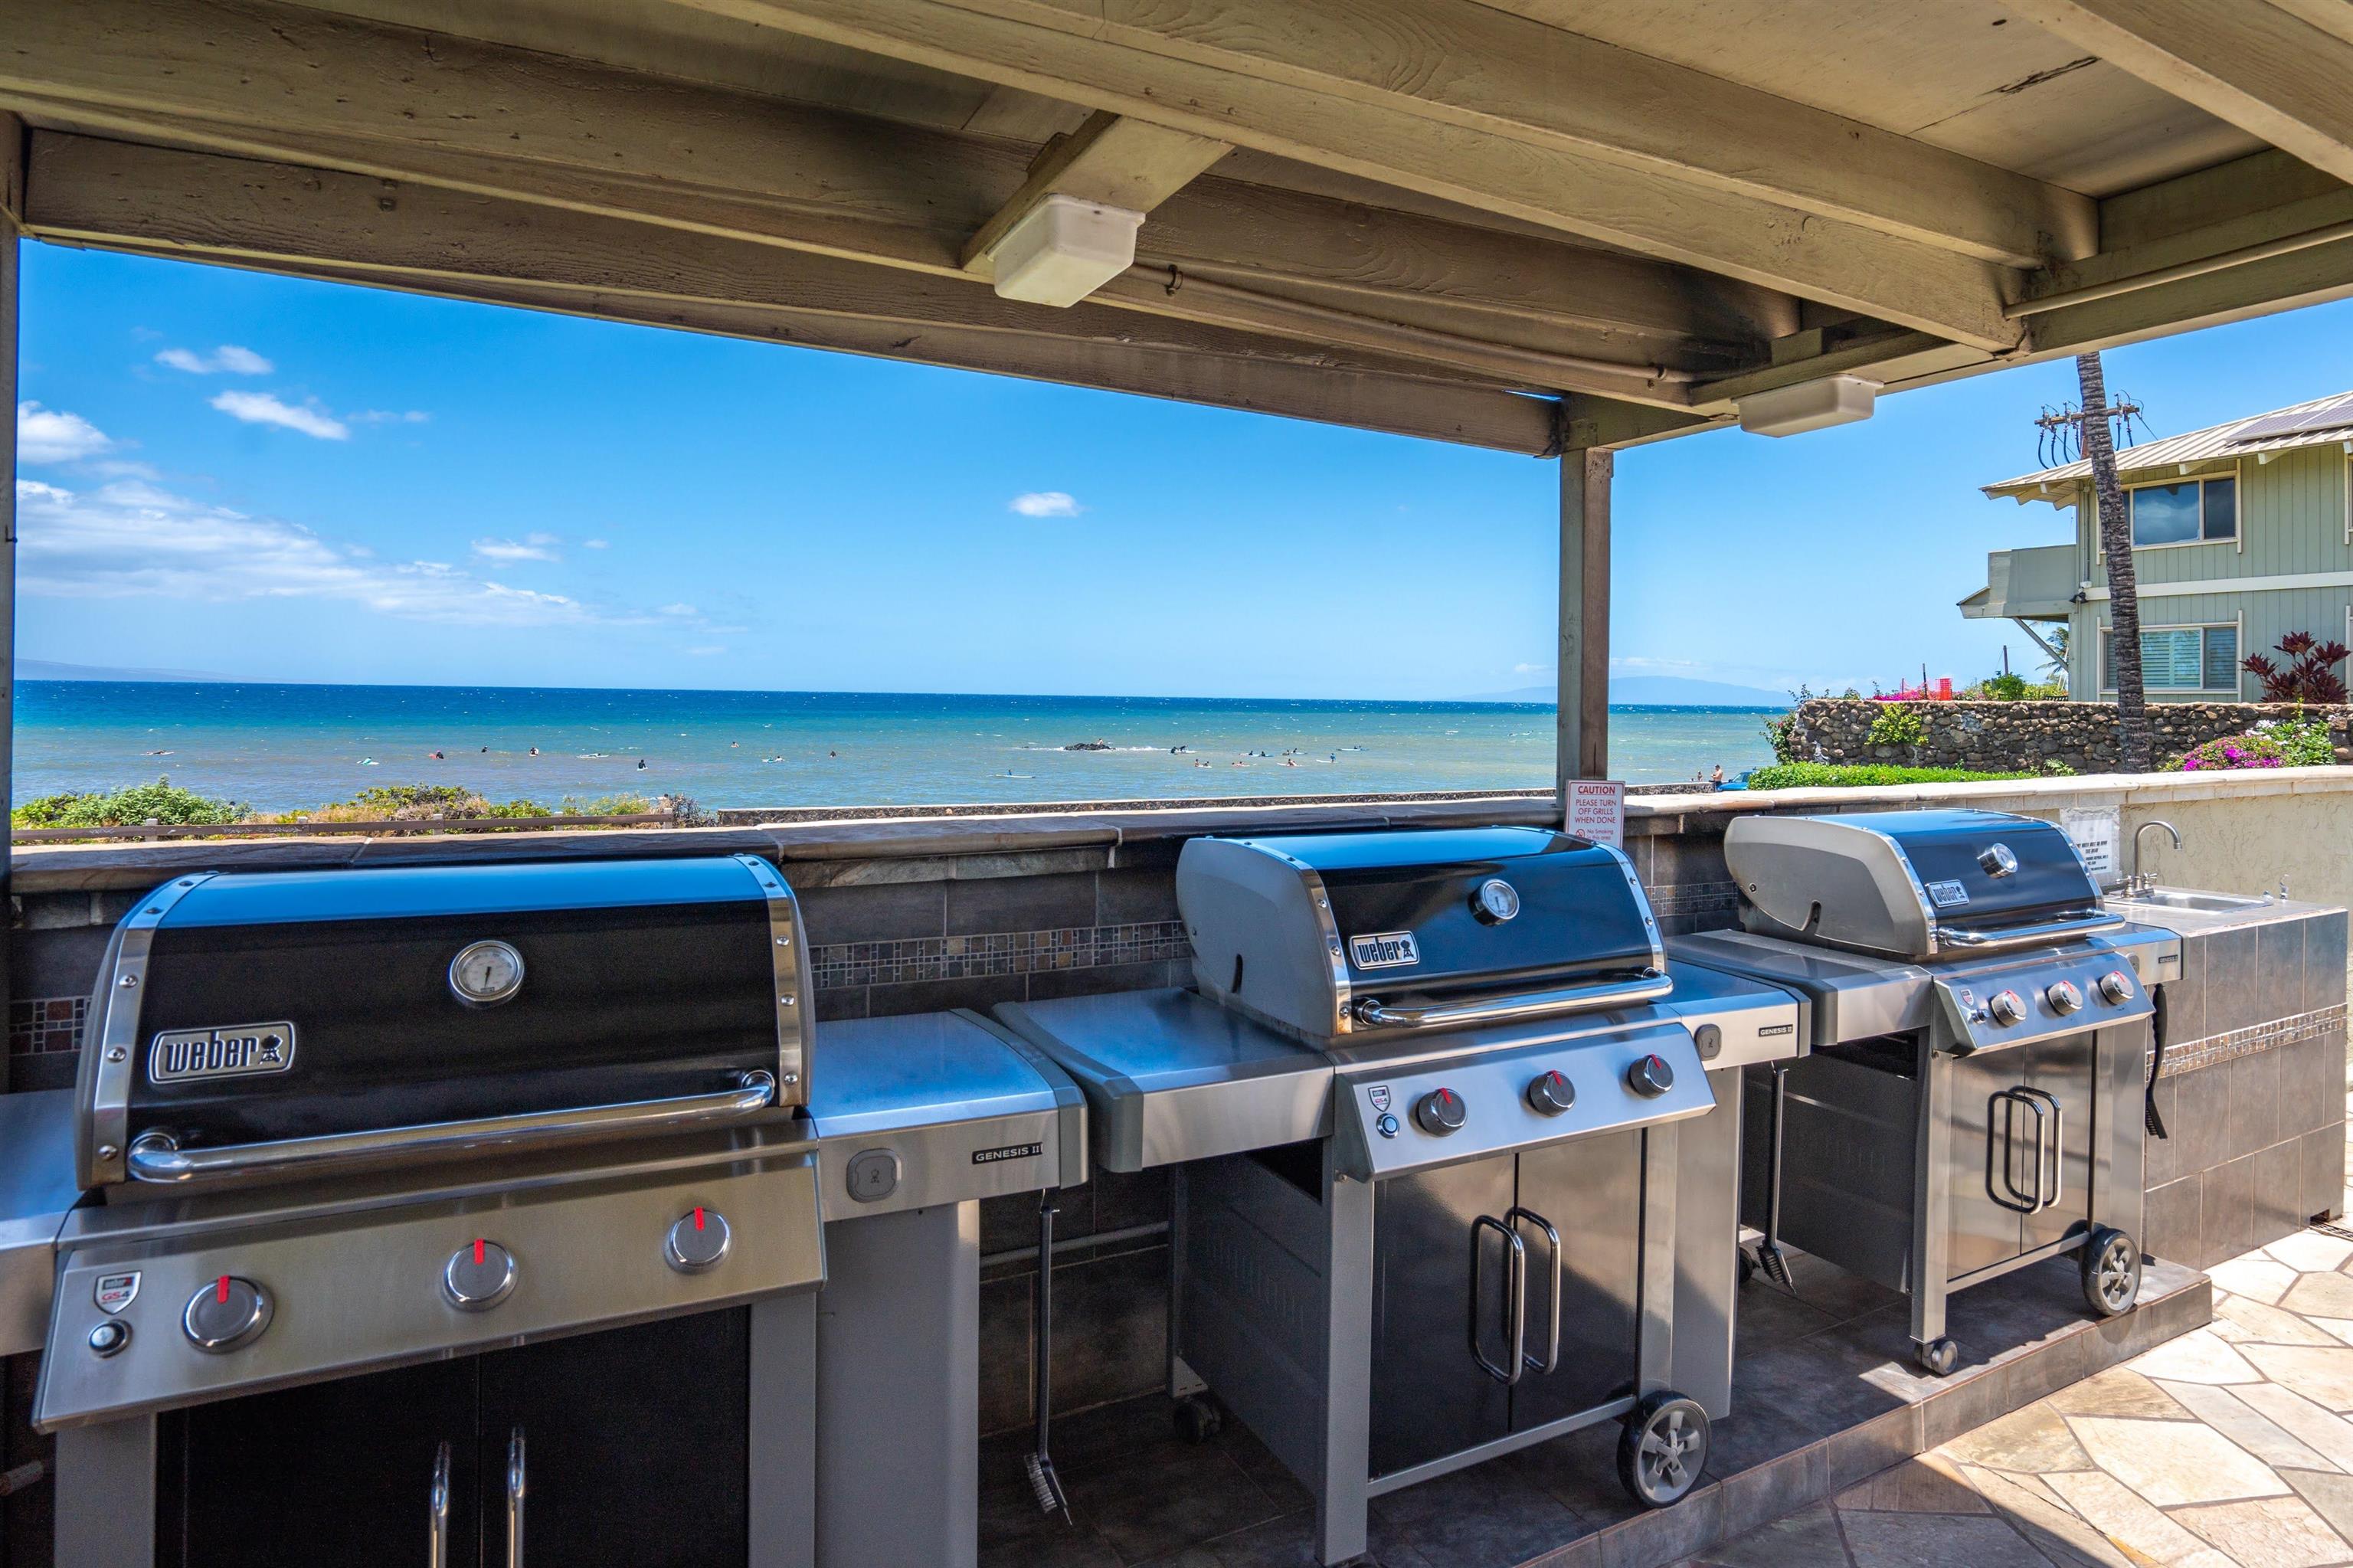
<point>2141,880</point>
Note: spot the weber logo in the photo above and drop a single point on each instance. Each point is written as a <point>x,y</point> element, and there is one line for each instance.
<point>1948,893</point>
<point>1010,1152</point>
<point>177,1055</point>
<point>1384,950</point>
<point>1771,1028</point>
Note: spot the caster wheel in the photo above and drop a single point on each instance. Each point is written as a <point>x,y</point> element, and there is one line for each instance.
<point>1198,1420</point>
<point>1937,1356</point>
<point>2111,1265</point>
<point>1747,1266</point>
<point>1662,1449</point>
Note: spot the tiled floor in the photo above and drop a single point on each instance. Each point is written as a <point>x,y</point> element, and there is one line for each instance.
<point>1823,1397</point>
<point>2228,1445</point>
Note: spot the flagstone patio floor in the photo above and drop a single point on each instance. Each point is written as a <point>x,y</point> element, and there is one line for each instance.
<point>2228,1445</point>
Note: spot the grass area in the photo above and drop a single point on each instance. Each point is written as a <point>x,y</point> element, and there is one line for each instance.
<point>1830,776</point>
<point>166,804</point>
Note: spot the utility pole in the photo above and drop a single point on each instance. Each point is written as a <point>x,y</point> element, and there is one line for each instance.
<point>2089,430</point>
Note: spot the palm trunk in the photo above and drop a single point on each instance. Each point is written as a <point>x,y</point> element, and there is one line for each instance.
<point>2116,544</point>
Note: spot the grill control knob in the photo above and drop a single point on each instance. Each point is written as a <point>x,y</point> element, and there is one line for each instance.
<point>478,1276</point>
<point>1651,1076</point>
<point>697,1241</point>
<point>1551,1093</point>
<point>2006,1008</point>
<point>1998,860</point>
<point>2115,987</point>
<point>227,1314</point>
<point>2064,998</point>
<point>1439,1112</point>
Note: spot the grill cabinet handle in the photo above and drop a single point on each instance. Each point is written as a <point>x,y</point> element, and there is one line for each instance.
<point>2019,935</point>
<point>1516,1300</point>
<point>2010,1100</point>
<point>1520,1006</point>
<point>515,1499</point>
<point>1555,1264</point>
<point>156,1156</point>
<point>2058,1149</point>
<point>436,1552</point>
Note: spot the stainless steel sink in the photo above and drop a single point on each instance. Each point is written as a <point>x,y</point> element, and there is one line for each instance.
<point>2184,898</point>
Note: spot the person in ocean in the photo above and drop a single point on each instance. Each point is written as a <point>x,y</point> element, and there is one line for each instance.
<point>436,756</point>
<point>534,751</point>
<point>641,764</point>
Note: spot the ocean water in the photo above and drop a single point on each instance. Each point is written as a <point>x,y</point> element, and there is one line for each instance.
<point>279,746</point>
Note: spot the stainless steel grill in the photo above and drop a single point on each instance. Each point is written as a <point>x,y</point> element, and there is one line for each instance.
<point>1428,1079</point>
<point>460,1193</point>
<point>1977,1028</point>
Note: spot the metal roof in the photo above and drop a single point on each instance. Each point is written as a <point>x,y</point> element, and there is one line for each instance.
<point>2323,421</point>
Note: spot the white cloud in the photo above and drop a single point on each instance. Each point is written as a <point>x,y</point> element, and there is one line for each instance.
<point>506,552</point>
<point>707,650</point>
<point>1046,504</point>
<point>595,544</point>
<point>129,538</point>
<point>543,539</point>
<point>680,610</point>
<point>262,409</point>
<point>52,435</point>
<point>388,416</point>
<point>228,357</point>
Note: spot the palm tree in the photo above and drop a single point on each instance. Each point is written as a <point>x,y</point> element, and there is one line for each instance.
<point>2115,543</point>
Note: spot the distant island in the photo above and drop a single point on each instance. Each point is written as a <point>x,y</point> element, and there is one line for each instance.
<point>50,670</point>
<point>1658,690</point>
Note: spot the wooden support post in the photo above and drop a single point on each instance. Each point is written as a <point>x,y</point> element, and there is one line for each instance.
<point>1583,749</point>
<point>12,214</point>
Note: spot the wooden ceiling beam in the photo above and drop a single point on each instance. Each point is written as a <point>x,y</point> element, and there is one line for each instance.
<point>361,229</point>
<point>2264,67</point>
<point>295,85</point>
<point>1387,131</point>
<point>1112,159</point>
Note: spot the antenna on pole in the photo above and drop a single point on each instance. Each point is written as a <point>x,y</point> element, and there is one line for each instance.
<point>2062,426</point>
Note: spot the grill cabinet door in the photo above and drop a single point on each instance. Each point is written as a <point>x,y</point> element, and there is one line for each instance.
<point>1590,1189</point>
<point>1990,1177</point>
<point>635,1444</point>
<point>1429,1397</point>
<point>335,1472</point>
<point>2063,1069</point>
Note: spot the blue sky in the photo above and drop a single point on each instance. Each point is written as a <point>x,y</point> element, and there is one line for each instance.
<point>272,480</point>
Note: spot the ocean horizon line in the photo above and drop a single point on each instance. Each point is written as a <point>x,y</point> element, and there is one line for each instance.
<point>806,692</point>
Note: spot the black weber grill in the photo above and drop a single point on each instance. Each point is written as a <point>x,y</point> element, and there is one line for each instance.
<point>1977,1028</point>
<point>342,1127</point>
<point>1445,1185</point>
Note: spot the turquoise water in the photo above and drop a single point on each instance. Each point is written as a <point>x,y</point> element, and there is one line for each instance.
<point>278,746</point>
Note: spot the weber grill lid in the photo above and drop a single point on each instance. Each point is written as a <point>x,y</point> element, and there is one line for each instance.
<point>1912,884</point>
<point>245,1013</point>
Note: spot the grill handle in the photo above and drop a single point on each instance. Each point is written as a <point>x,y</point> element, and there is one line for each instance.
<point>2019,935</point>
<point>437,1554</point>
<point>515,1499</point>
<point>1516,1008</point>
<point>156,1156</point>
<point>1516,1300</point>
<point>1556,1266</point>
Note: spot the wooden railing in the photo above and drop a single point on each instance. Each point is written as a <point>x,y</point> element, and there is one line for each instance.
<point>309,830</point>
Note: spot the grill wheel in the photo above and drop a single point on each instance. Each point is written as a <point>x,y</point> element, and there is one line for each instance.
<point>1662,1449</point>
<point>2111,1265</point>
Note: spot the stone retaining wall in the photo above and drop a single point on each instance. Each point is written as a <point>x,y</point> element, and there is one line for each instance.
<point>2013,737</point>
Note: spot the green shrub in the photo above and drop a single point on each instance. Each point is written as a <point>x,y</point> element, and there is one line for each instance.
<point>162,802</point>
<point>2006,687</point>
<point>1898,723</point>
<point>1839,776</point>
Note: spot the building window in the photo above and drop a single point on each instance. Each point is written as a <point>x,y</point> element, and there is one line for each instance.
<point>2180,659</point>
<point>2194,512</point>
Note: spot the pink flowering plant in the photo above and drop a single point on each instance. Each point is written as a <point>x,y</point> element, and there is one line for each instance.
<point>2273,743</point>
